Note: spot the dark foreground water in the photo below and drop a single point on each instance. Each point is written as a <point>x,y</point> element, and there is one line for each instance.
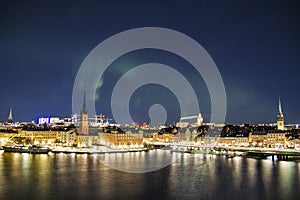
<point>69,176</point>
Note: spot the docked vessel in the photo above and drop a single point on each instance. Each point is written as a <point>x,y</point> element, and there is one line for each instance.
<point>26,149</point>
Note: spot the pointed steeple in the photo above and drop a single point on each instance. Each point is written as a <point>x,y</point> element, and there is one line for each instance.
<point>84,119</point>
<point>279,105</point>
<point>280,117</point>
<point>10,118</point>
<point>280,113</point>
<point>84,105</point>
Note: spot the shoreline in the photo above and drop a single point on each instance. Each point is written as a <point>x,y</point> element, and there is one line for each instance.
<point>84,151</point>
<point>219,152</point>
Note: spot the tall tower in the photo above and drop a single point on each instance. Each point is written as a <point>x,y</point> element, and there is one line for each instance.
<point>280,117</point>
<point>200,119</point>
<point>10,118</point>
<point>84,119</point>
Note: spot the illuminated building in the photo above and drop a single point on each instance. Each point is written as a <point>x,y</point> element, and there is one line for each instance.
<point>191,134</point>
<point>258,139</point>
<point>276,138</point>
<point>48,120</point>
<point>5,136</point>
<point>166,137</point>
<point>121,141</point>
<point>87,140</point>
<point>280,117</point>
<point>68,138</point>
<point>183,123</point>
<point>271,138</point>
<point>84,119</point>
<point>293,143</point>
<point>40,137</point>
<point>233,141</point>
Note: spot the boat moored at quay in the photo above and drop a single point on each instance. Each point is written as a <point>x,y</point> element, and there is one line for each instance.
<point>27,149</point>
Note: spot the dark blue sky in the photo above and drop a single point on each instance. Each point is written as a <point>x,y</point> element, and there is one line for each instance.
<point>255,44</point>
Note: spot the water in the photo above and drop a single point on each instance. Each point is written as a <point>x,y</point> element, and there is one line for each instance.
<point>70,176</point>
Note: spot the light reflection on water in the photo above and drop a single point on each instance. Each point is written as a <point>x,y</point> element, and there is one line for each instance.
<point>138,162</point>
<point>189,176</point>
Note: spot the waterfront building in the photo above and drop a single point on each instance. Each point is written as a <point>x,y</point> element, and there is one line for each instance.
<point>280,117</point>
<point>121,140</point>
<point>68,138</point>
<point>270,138</point>
<point>5,135</point>
<point>166,137</point>
<point>293,143</point>
<point>146,132</point>
<point>39,137</point>
<point>87,140</point>
<point>276,138</point>
<point>233,141</point>
<point>84,119</point>
<point>258,139</point>
<point>30,133</point>
<point>293,138</point>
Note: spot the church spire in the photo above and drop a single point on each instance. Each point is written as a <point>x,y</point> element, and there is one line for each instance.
<point>10,118</point>
<point>84,105</point>
<point>280,113</point>
<point>84,119</point>
<point>279,106</point>
<point>280,117</point>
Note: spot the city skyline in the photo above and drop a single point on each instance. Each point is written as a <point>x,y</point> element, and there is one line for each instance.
<point>84,118</point>
<point>255,46</point>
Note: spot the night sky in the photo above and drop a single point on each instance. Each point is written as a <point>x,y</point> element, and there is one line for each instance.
<point>255,45</point>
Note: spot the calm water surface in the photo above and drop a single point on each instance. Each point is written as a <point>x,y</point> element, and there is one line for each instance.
<point>68,176</point>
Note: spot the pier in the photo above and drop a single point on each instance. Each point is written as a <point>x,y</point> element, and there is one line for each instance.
<point>263,153</point>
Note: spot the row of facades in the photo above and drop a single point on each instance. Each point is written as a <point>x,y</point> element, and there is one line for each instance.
<point>136,140</point>
<point>71,139</point>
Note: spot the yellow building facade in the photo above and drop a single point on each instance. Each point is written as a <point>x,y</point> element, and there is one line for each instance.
<point>121,141</point>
